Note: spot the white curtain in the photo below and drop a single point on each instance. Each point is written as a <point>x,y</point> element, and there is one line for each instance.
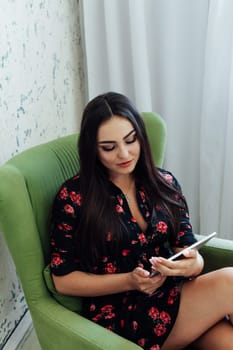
<point>216,147</point>
<point>174,57</point>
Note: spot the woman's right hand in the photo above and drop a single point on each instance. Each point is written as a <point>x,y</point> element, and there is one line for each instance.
<point>140,280</point>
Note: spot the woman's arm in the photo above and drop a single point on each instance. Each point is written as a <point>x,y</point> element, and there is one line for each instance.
<point>78,283</point>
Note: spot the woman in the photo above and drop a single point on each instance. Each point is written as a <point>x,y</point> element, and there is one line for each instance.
<point>116,221</point>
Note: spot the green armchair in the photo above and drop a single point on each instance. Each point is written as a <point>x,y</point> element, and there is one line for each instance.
<point>28,184</point>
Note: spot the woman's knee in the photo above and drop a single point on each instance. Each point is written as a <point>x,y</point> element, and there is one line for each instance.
<point>223,284</point>
<point>226,277</point>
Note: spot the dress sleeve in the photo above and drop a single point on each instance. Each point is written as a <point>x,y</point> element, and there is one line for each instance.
<point>64,221</point>
<point>184,236</point>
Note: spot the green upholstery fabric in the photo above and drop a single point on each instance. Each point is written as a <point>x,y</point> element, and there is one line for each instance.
<point>28,184</point>
<point>69,302</point>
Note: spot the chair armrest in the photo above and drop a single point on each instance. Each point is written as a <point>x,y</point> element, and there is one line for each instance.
<point>217,253</point>
<point>59,328</point>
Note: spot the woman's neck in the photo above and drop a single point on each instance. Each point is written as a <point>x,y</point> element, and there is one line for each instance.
<point>124,182</point>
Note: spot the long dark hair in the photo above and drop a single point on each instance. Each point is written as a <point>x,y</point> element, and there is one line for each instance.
<point>98,216</point>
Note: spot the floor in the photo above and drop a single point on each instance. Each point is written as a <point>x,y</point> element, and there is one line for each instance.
<point>30,342</point>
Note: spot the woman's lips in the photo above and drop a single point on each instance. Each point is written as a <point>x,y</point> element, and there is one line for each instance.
<point>125,164</point>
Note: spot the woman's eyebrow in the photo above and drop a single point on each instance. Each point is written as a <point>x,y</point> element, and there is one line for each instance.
<point>125,137</point>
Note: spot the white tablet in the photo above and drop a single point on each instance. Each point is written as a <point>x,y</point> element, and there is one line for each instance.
<point>196,245</point>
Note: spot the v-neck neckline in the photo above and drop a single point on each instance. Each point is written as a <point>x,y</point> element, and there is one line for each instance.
<point>140,204</point>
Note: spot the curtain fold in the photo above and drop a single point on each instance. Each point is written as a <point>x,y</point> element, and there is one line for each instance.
<point>164,56</point>
<point>216,205</point>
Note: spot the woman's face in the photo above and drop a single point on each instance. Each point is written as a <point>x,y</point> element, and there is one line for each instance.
<point>118,146</point>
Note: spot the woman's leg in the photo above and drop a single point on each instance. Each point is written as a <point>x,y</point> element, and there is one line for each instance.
<point>204,303</point>
<point>218,337</point>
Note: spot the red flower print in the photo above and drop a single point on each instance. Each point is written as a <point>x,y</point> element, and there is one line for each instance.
<point>120,200</point>
<point>67,227</point>
<point>64,227</point>
<point>142,195</point>
<point>76,198</point>
<point>109,328</point>
<point>107,308</point>
<point>170,300</point>
<point>168,178</point>
<point>172,295</point>
<point>109,237</point>
<point>142,238</point>
<point>79,199</point>
<point>140,265</point>
<point>97,318</point>
<point>134,241</point>
<point>56,260</point>
<point>133,219</point>
<point>155,347</point>
<point>174,292</point>
<point>141,342</point>
<point>154,313</point>
<point>110,268</point>
<point>119,209</point>
<point>180,234</point>
<point>160,330</point>
<point>107,311</point>
<point>135,325</point>
<point>73,196</point>
<point>63,193</point>
<point>69,209</point>
<point>92,307</point>
<point>125,252</point>
<point>104,259</point>
<point>122,323</point>
<point>165,317</point>
<point>161,226</point>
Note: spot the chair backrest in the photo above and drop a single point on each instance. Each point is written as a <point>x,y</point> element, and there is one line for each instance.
<point>28,184</point>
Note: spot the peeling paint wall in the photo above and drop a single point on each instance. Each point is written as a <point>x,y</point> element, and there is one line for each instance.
<point>41,98</point>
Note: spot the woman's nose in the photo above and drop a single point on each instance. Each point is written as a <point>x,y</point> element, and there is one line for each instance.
<point>123,152</point>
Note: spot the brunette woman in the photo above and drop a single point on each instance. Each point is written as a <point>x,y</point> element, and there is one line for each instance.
<point>118,219</point>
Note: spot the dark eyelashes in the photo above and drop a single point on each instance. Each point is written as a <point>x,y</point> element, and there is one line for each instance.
<point>108,149</point>
<point>111,148</point>
<point>134,138</point>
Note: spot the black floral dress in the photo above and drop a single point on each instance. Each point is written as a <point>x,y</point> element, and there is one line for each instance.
<point>145,320</point>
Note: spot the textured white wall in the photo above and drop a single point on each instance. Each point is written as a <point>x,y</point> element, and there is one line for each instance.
<point>41,98</point>
<point>40,87</point>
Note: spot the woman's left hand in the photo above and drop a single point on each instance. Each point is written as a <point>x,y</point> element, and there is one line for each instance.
<point>190,265</point>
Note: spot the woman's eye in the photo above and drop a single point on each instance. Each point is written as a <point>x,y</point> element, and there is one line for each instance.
<point>132,139</point>
<point>108,148</point>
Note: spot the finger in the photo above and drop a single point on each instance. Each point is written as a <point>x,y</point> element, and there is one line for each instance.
<point>190,253</point>
<point>141,272</point>
<point>158,262</point>
<point>169,268</point>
